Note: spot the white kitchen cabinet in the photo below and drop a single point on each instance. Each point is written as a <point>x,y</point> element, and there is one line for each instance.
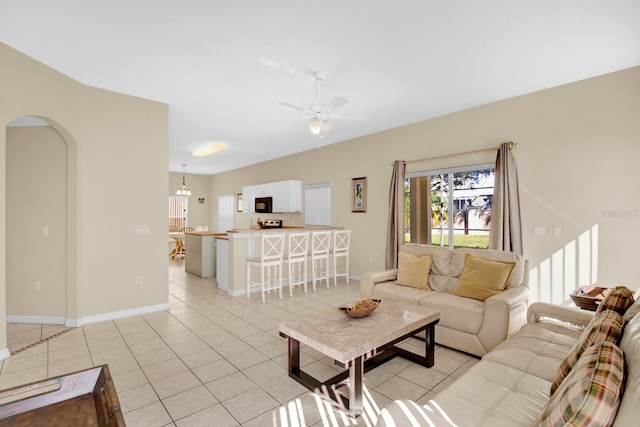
<point>292,196</point>
<point>222,263</point>
<point>287,196</point>
<point>248,199</point>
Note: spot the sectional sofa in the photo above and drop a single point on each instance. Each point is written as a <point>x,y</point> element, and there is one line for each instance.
<point>564,367</point>
<point>481,294</point>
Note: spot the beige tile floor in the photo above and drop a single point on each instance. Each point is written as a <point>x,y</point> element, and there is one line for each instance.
<point>216,360</point>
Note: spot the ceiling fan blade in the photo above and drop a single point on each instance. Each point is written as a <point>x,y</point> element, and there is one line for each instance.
<point>356,117</point>
<point>293,106</point>
<point>334,103</point>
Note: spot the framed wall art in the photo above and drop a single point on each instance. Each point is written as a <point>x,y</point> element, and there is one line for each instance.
<point>359,194</point>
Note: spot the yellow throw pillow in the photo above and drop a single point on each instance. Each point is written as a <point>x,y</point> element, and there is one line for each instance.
<point>413,270</point>
<point>482,278</point>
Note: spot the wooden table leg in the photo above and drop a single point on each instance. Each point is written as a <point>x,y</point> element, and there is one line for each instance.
<point>430,342</point>
<point>294,356</point>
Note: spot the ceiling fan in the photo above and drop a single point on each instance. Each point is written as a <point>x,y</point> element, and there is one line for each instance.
<point>320,113</point>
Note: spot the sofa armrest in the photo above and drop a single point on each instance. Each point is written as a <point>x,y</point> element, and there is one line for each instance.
<point>368,280</point>
<point>504,314</point>
<point>574,316</point>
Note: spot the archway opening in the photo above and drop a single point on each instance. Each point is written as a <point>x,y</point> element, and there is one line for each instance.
<point>40,230</point>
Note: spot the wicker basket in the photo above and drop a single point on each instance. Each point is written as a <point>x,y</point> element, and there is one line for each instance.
<point>361,308</point>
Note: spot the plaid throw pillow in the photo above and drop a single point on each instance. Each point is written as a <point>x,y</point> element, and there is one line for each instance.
<point>605,326</point>
<point>590,395</point>
<point>618,299</point>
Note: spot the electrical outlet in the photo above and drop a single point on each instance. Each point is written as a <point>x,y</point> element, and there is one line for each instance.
<point>138,280</point>
<point>370,259</point>
<point>37,286</point>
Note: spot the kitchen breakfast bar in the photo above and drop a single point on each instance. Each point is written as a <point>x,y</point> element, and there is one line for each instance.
<point>243,243</point>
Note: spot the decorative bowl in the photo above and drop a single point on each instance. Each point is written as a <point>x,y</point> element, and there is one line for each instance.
<point>361,308</point>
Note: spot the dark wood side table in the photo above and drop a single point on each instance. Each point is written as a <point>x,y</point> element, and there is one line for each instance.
<point>86,398</point>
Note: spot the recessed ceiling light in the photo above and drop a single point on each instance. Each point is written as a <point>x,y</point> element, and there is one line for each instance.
<point>214,147</point>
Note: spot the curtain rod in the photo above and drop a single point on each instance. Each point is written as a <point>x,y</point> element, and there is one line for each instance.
<point>481,150</point>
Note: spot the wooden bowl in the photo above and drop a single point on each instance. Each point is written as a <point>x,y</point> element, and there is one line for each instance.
<point>361,308</point>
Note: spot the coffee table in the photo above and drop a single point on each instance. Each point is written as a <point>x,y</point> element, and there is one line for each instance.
<point>358,345</point>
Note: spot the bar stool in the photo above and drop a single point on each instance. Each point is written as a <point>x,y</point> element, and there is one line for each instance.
<point>320,241</point>
<point>340,249</point>
<point>296,260</point>
<point>181,248</point>
<point>269,261</point>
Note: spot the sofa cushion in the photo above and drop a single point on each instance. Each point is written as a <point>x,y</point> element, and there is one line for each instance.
<point>448,263</point>
<point>491,394</point>
<point>482,278</point>
<point>401,293</point>
<point>439,278</point>
<point>537,348</point>
<point>590,395</point>
<point>413,270</point>
<point>629,410</point>
<point>605,326</point>
<point>618,299</point>
<point>632,311</point>
<point>461,314</point>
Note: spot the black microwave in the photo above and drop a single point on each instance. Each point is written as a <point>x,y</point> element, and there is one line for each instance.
<point>264,204</point>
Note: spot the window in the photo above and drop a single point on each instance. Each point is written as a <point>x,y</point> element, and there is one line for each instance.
<point>178,212</point>
<point>317,204</point>
<point>449,207</point>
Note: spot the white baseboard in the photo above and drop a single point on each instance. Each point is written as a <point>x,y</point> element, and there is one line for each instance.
<point>74,323</point>
<point>4,354</point>
<point>47,320</point>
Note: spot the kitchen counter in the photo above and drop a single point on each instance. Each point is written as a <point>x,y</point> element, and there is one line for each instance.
<point>200,252</point>
<point>205,233</point>
<point>284,228</point>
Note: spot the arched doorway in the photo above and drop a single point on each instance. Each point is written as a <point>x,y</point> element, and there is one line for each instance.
<point>40,222</point>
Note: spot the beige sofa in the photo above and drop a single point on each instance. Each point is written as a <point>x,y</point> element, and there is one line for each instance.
<point>466,324</point>
<point>511,385</point>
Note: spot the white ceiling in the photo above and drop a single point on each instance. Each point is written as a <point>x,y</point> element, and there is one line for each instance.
<point>223,66</point>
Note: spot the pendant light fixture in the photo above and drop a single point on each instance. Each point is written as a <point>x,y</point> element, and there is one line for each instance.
<point>183,191</point>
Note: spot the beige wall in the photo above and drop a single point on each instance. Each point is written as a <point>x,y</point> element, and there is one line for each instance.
<point>124,157</point>
<point>117,149</point>
<point>36,198</point>
<point>579,148</point>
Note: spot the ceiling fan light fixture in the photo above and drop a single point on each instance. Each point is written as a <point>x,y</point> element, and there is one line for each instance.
<point>211,148</point>
<point>315,125</point>
<point>320,112</point>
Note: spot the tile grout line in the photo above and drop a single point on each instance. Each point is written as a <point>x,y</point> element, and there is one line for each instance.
<point>43,340</point>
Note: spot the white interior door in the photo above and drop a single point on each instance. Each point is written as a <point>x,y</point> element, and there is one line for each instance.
<point>226,212</point>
